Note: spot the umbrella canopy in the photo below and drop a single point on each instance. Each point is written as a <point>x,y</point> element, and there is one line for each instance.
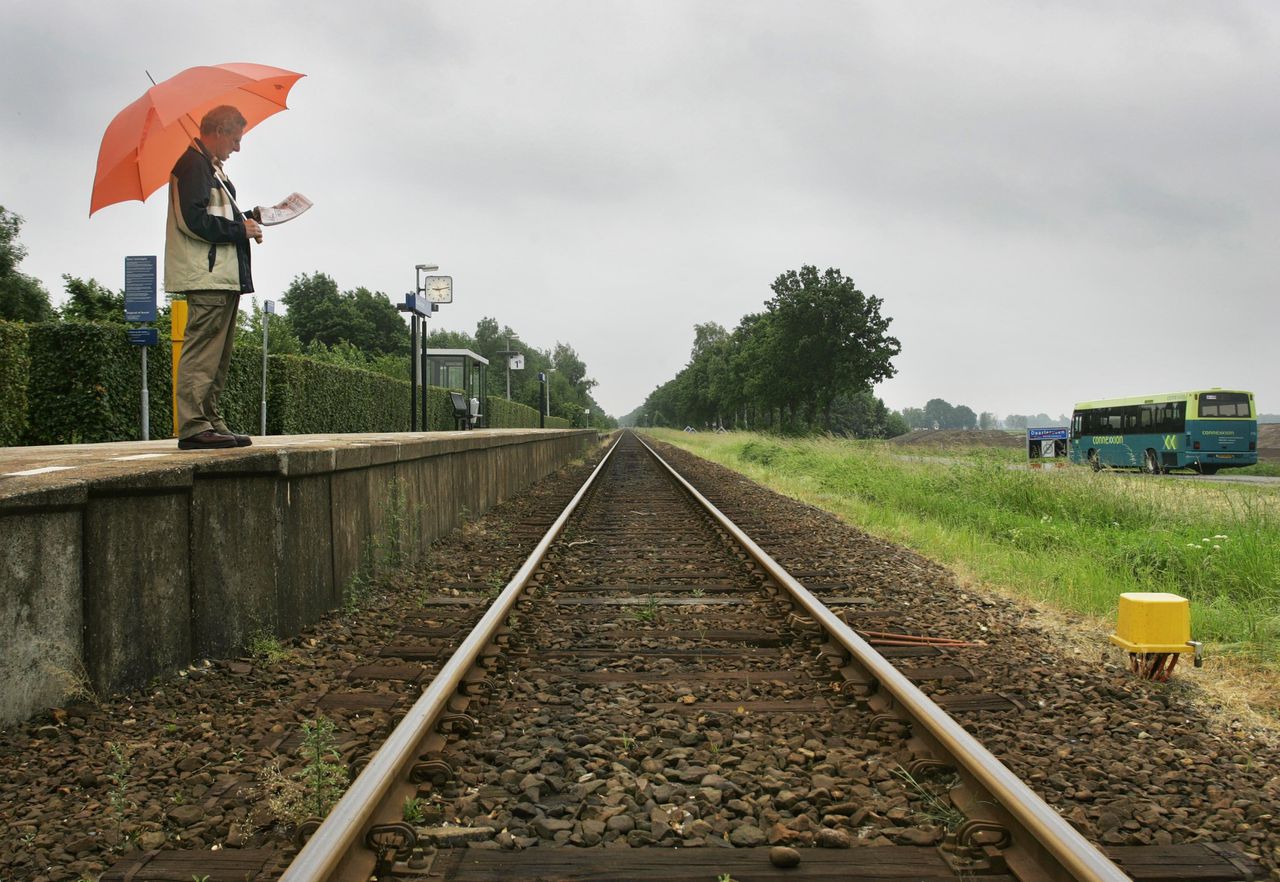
<point>147,137</point>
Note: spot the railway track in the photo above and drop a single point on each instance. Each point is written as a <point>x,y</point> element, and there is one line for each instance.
<point>652,697</point>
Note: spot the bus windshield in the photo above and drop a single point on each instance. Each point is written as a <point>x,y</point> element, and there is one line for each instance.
<point>1224,404</point>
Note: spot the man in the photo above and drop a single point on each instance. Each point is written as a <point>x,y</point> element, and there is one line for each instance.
<point>206,257</point>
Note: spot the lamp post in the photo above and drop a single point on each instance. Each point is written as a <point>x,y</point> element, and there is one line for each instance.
<point>418,311</point>
<point>427,308</point>
<point>506,354</point>
<point>268,310</point>
<point>546,394</point>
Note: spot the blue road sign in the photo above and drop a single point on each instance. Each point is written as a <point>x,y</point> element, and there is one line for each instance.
<point>1051,434</point>
<point>143,336</point>
<point>140,288</point>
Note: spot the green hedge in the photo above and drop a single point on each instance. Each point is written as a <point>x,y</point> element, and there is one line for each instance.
<point>504,414</point>
<point>305,396</point>
<point>14,370</point>
<point>75,382</point>
<point>85,385</point>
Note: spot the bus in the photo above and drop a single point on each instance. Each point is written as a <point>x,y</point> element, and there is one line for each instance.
<point>1206,430</point>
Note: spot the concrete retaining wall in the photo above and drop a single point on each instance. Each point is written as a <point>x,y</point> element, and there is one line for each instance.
<point>125,566</point>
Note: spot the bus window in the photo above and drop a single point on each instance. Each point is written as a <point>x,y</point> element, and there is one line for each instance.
<point>1224,404</point>
<point>1169,417</point>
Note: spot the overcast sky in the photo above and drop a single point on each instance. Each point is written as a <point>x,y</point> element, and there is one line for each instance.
<point>1056,201</point>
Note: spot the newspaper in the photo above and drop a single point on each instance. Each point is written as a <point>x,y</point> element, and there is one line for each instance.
<point>286,210</point>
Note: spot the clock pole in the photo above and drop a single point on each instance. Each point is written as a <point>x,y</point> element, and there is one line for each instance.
<point>418,360</point>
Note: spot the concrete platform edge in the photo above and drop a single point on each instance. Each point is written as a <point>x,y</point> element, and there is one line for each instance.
<point>112,573</point>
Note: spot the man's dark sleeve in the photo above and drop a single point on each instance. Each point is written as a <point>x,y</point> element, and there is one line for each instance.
<point>194,184</point>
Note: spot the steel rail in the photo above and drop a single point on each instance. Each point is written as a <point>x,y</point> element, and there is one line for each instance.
<point>1075,854</point>
<point>325,851</point>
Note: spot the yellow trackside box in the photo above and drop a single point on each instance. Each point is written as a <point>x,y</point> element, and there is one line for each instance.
<point>1153,622</point>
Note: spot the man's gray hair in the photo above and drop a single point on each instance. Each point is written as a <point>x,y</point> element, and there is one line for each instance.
<point>222,117</point>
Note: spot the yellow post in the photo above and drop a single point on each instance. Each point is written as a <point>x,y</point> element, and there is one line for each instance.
<point>177,331</point>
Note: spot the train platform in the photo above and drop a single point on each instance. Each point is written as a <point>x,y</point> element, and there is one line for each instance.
<point>27,469</point>
<point>130,559</point>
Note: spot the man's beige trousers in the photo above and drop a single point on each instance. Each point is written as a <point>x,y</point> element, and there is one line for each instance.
<point>206,356</point>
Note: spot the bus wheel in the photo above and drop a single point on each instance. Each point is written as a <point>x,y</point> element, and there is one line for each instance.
<point>1094,462</point>
<point>1151,463</point>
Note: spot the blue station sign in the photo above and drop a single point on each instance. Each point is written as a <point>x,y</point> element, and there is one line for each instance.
<point>143,336</point>
<point>140,288</point>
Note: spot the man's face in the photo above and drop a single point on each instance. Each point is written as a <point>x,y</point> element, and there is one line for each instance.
<point>225,142</point>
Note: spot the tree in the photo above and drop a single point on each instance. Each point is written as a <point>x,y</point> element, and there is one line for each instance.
<point>963,417</point>
<point>281,338</point>
<point>895,425</point>
<point>22,298</point>
<point>988,420</point>
<point>939,414</point>
<point>863,415</point>
<point>915,418</point>
<point>366,319</point>
<point>315,308</point>
<point>1015,421</point>
<point>829,338</point>
<point>90,301</point>
<point>384,328</point>
<point>572,368</point>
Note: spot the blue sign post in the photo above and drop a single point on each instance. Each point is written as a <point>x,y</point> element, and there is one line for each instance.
<point>140,306</point>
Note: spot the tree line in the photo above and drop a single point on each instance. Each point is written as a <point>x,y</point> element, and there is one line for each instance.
<point>355,328</point>
<point>806,363</point>
<point>938,413</point>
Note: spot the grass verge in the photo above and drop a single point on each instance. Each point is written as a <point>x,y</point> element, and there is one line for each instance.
<point>1068,538</point>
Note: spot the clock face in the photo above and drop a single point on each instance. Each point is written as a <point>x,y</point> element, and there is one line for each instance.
<point>439,289</point>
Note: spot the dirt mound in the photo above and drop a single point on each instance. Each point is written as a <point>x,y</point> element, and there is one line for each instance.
<point>1269,442</point>
<point>951,438</point>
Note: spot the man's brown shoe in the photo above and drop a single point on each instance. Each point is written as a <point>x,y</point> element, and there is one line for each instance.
<point>207,440</point>
<point>241,440</point>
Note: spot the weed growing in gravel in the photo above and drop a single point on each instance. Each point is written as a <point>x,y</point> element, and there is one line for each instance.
<point>118,769</point>
<point>118,775</point>
<point>496,583</point>
<point>359,588</point>
<point>266,646</point>
<point>60,662</point>
<point>400,529</point>
<point>312,790</point>
<point>648,612</point>
<point>937,808</point>
<point>413,810</point>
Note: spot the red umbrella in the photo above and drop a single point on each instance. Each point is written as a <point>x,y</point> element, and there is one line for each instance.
<point>147,137</point>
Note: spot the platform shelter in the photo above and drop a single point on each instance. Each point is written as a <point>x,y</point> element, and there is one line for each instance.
<point>465,370</point>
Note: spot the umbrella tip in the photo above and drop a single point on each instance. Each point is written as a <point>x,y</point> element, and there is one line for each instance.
<point>149,76</point>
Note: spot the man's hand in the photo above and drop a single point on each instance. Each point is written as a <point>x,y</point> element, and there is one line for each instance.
<point>253,229</point>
